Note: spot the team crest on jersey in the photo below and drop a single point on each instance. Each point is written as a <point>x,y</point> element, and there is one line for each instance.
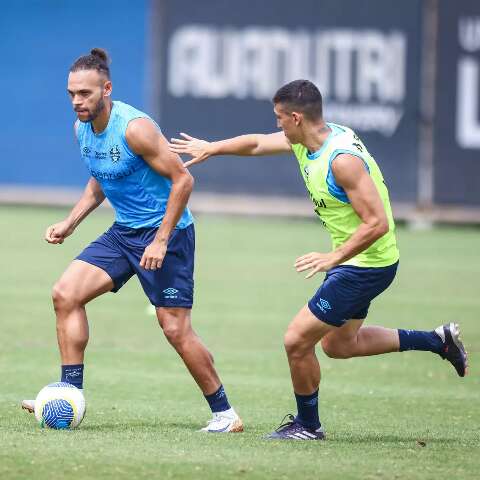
<point>86,151</point>
<point>115,154</point>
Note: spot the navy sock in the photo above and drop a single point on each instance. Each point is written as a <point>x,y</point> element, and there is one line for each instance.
<point>307,406</point>
<point>73,374</point>
<point>218,401</point>
<point>418,340</point>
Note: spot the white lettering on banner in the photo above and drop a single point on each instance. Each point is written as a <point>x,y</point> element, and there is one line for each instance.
<point>360,72</point>
<point>468,126</point>
<point>370,117</point>
<point>469,33</point>
<point>468,78</point>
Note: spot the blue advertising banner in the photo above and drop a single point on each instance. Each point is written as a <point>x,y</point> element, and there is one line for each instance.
<point>457,125</point>
<point>39,42</point>
<point>221,61</point>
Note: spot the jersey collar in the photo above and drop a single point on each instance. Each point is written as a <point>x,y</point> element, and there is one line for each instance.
<point>334,130</point>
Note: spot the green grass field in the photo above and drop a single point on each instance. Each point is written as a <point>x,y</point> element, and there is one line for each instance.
<point>144,409</point>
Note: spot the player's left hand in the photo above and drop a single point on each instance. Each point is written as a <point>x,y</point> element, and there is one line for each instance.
<point>153,255</point>
<point>316,262</point>
<point>198,149</point>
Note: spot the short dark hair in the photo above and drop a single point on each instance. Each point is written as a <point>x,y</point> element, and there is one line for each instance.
<point>97,60</point>
<point>302,95</point>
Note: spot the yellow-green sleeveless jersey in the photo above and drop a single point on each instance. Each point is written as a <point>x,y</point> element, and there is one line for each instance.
<point>331,202</point>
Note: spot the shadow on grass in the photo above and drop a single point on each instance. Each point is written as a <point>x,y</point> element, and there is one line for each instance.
<point>144,425</point>
<point>378,438</point>
<point>176,427</point>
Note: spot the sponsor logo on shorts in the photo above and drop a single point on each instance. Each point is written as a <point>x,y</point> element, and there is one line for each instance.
<point>170,292</point>
<point>323,305</point>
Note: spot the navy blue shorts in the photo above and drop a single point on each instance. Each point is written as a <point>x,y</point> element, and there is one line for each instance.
<point>119,251</point>
<point>347,291</point>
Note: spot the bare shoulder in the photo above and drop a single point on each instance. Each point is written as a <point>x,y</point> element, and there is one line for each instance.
<point>139,127</point>
<point>348,169</point>
<point>142,134</point>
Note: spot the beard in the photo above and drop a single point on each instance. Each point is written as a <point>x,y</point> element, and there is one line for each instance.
<point>92,115</point>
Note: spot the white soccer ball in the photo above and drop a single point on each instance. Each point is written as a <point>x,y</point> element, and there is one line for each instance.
<point>60,405</point>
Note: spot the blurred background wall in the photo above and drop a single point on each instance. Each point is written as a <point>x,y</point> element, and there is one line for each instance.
<point>40,39</point>
<point>404,75</point>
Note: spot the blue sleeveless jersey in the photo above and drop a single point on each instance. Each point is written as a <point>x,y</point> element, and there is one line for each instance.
<point>137,193</point>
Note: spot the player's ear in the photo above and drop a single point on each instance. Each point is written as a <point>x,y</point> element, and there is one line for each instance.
<point>107,88</point>
<point>297,118</point>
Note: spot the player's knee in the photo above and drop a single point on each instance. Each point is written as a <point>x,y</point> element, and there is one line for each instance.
<point>173,328</point>
<point>293,342</point>
<point>63,297</point>
<point>335,349</point>
<point>173,334</point>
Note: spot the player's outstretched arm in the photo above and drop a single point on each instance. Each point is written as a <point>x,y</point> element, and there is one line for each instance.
<point>350,173</point>
<point>245,145</point>
<point>145,139</point>
<point>92,197</point>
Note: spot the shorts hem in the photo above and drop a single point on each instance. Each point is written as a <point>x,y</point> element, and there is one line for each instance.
<point>332,323</point>
<point>358,317</point>
<point>171,305</point>
<point>116,287</point>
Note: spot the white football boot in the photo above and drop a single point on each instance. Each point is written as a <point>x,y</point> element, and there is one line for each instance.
<point>224,422</point>
<point>28,405</point>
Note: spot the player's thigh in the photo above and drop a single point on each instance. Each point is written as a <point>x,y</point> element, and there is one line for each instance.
<point>345,334</point>
<point>82,282</point>
<point>305,330</point>
<point>101,267</point>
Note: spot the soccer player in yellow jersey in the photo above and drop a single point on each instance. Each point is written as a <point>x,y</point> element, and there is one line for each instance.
<point>350,197</point>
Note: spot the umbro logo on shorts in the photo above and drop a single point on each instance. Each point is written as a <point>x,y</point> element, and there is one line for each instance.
<point>170,292</point>
<point>323,305</point>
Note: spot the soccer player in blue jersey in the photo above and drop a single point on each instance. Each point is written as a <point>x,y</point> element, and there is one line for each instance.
<point>152,237</point>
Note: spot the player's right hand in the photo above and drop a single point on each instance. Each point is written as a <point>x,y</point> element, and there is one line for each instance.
<point>198,149</point>
<point>58,232</point>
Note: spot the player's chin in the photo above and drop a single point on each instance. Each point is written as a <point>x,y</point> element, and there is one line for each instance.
<point>83,116</point>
